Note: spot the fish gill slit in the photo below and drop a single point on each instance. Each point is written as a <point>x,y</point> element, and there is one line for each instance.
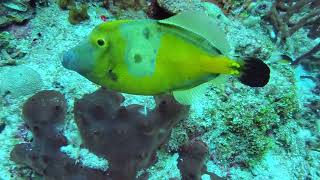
<point>111,75</point>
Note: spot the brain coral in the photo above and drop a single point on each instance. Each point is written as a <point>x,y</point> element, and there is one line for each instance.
<point>19,81</point>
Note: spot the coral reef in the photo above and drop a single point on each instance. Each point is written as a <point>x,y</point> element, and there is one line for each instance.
<point>66,4</point>
<point>136,4</point>
<point>288,17</point>
<point>232,6</point>
<point>157,12</point>
<point>15,12</point>
<point>76,15</point>
<point>310,60</point>
<point>127,137</point>
<point>312,114</point>
<point>236,8</point>
<point>283,16</point>
<point>239,128</point>
<point>191,160</point>
<point>5,38</point>
<point>250,133</point>
<point>314,30</point>
<point>44,3</point>
<point>126,9</point>
<point>176,6</point>
<point>9,53</point>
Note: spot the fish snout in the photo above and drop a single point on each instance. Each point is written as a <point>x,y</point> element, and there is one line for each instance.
<point>68,60</point>
<point>79,59</point>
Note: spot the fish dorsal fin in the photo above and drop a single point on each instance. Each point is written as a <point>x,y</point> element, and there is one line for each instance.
<point>202,25</point>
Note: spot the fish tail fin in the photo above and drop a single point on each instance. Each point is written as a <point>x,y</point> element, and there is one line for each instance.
<point>251,71</point>
<point>254,72</point>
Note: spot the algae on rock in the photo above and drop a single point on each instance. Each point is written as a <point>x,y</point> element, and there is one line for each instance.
<point>15,12</point>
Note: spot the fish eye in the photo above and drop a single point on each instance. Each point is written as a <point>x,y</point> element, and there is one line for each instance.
<point>100,42</point>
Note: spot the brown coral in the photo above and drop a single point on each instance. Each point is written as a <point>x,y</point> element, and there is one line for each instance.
<point>282,12</point>
<point>66,4</point>
<point>77,15</point>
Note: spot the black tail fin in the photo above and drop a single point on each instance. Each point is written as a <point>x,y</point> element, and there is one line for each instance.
<point>254,72</point>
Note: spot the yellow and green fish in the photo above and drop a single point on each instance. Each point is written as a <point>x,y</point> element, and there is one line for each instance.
<point>151,57</point>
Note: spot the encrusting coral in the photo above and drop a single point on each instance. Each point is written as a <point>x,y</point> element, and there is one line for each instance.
<point>127,137</point>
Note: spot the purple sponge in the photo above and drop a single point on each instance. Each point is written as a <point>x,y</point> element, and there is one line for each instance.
<point>126,136</point>
<point>43,113</point>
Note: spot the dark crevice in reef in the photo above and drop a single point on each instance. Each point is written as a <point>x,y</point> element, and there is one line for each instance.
<point>157,12</point>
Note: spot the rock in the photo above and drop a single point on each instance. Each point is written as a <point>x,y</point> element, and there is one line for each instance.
<point>15,12</point>
<point>8,50</point>
<point>157,12</point>
<point>5,38</point>
<point>18,6</point>
<point>176,6</point>
<point>17,81</point>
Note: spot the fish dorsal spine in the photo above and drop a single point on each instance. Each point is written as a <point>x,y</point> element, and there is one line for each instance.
<point>202,25</point>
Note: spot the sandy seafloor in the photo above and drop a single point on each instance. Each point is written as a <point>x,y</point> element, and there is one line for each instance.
<point>57,35</point>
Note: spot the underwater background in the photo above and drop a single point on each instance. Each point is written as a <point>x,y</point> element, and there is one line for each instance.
<point>56,124</point>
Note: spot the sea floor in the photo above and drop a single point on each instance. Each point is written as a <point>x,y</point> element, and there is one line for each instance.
<point>47,35</point>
